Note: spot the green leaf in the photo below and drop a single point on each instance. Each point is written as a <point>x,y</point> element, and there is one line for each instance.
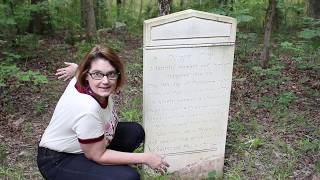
<point>253,143</point>
<point>309,33</point>
<point>212,174</point>
<point>286,98</point>
<point>244,18</point>
<point>7,22</point>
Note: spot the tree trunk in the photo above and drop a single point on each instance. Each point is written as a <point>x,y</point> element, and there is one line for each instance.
<point>164,7</point>
<point>82,9</point>
<point>9,31</point>
<point>183,4</point>
<point>231,2</point>
<point>132,7</point>
<point>222,2</point>
<point>118,8</point>
<point>267,33</point>
<point>140,11</point>
<point>88,18</point>
<point>108,4</point>
<point>314,9</point>
<point>97,13</point>
<point>40,20</point>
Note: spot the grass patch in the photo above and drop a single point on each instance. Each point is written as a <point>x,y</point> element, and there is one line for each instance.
<point>115,44</point>
<point>131,111</point>
<point>40,105</point>
<point>28,129</point>
<point>236,172</point>
<point>11,172</point>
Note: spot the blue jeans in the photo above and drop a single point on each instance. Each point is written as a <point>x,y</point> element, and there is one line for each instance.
<point>68,166</point>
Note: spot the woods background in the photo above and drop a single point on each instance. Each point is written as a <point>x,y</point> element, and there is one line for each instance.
<point>273,130</point>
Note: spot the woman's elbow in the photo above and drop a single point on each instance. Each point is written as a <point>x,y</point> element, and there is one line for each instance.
<point>94,151</point>
<point>93,157</point>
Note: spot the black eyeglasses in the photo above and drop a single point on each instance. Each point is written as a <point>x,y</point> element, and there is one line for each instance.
<point>110,75</point>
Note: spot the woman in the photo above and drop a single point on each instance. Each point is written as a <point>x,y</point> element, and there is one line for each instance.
<point>84,139</point>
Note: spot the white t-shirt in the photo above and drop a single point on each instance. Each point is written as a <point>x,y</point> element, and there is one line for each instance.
<point>78,117</point>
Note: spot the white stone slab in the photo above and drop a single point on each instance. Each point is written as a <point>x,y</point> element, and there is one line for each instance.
<point>189,27</point>
<point>187,73</point>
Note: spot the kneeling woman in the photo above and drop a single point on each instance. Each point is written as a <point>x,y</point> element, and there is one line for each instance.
<point>85,139</point>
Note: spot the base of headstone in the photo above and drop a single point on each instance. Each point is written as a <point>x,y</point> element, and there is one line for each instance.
<point>200,170</point>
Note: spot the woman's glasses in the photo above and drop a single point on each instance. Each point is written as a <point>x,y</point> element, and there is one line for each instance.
<point>99,75</point>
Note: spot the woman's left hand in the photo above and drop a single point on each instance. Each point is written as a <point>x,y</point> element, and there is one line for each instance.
<point>157,163</point>
<point>67,72</point>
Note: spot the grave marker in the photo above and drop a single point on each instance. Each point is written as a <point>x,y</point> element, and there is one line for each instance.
<point>187,73</point>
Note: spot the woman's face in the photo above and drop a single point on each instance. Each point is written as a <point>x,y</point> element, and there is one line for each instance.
<point>104,87</point>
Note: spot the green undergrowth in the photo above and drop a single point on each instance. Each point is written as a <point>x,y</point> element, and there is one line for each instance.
<point>10,172</point>
<point>9,71</point>
<point>131,107</point>
<point>275,128</point>
<point>131,111</point>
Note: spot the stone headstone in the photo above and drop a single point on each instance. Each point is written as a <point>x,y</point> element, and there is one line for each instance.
<point>187,73</point>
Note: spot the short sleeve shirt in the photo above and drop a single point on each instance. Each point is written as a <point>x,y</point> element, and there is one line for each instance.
<point>79,118</point>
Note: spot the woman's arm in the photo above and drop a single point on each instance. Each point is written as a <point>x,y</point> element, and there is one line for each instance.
<point>98,153</point>
<point>67,72</point>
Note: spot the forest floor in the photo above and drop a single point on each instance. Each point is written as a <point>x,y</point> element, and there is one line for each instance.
<point>273,131</point>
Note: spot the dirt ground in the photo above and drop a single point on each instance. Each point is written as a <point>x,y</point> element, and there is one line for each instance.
<point>27,108</point>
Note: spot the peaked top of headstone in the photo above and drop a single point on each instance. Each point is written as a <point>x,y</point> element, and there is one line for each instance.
<point>192,13</point>
<point>189,28</point>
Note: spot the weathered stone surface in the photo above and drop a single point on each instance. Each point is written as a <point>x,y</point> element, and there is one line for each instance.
<point>187,73</point>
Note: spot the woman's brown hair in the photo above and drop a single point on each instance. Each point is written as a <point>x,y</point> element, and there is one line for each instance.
<point>100,52</point>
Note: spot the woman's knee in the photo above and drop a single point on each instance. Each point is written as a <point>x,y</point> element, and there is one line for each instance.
<point>124,172</point>
<point>133,175</point>
<point>139,130</point>
<point>133,130</point>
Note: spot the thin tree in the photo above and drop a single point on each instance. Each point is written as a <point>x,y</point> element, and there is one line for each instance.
<point>140,11</point>
<point>97,7</point>
<point>164,7</point>
<point>10,31</point>
<point>108,5</point>
<point>267,32</point>
<point>314,9</point>
<point>132,7</point>
<point>222,2</point>
<point>88,20</point>
<point>119,2</point>
<point>40,20</point>
<point>183,4</point>
<point>82,10</point>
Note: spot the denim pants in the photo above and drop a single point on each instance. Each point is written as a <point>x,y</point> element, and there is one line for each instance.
<point>68,166</point>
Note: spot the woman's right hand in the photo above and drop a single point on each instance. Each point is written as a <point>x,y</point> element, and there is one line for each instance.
<point>157,163</point>
<point>67,72</point>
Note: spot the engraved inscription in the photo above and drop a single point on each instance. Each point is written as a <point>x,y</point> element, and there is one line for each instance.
<point>187,97</point>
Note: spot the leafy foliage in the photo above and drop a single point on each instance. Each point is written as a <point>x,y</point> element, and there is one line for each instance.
<point>212,174</point>
<point>82,48</point>
<point>10,71</point>
<point>273,127</point>
<point>309,33</point>
<point>9,172</point>
<point>132,111</point>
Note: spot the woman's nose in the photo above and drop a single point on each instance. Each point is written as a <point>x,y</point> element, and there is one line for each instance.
<point>105,80</point>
